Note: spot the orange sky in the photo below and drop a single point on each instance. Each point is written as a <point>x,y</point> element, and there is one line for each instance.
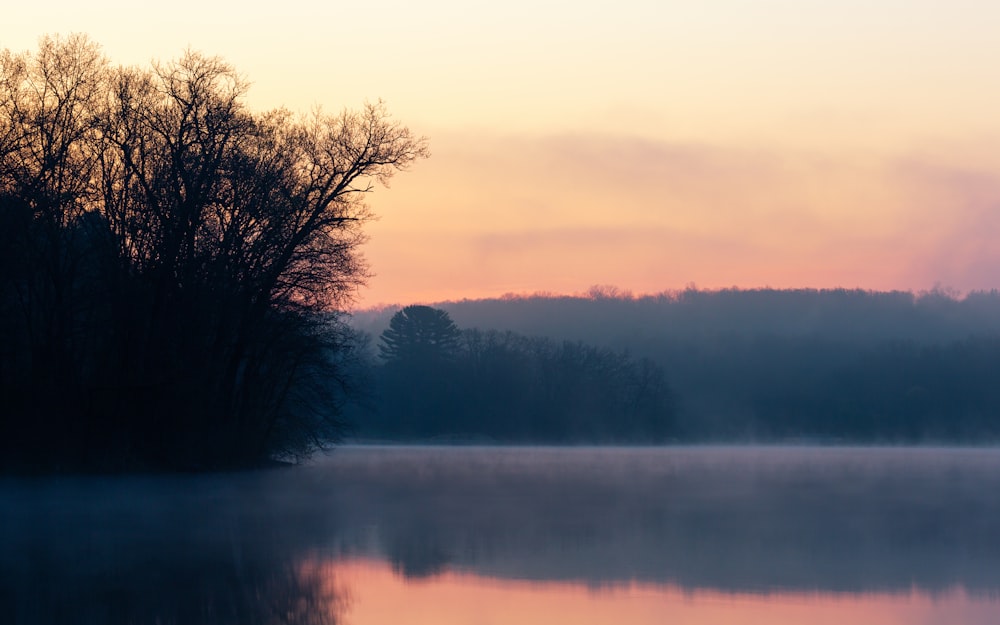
<point>645,144</point>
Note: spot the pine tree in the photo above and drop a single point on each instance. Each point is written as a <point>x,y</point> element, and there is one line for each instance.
<point>419,334</point>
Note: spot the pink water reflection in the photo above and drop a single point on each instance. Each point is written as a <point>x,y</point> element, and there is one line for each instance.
<point>374,594</point>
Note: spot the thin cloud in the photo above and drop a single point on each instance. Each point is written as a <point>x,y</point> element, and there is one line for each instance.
<point>562,212</point>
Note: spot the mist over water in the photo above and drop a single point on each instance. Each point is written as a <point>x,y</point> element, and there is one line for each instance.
<point>241,548</point>
<point>726,518</point>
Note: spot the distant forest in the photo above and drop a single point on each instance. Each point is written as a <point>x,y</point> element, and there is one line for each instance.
<point>730,365</point>
<point>435,382</point>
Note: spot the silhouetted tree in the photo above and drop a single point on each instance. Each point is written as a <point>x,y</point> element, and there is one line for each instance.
<point>176,254</point>
<point>418,381</point>
<point>419,333</point>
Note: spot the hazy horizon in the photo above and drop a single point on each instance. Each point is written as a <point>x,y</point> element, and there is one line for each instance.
<point>605,292</point>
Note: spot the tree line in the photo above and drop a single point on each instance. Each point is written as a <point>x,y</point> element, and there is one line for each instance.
<point>435,382</point>
<point>605,315</point>
<point>770,365</point>
<point>170,261</point>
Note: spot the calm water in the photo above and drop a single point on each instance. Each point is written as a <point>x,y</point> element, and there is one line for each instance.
<point>478,536</point>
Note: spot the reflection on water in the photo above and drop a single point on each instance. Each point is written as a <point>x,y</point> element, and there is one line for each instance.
<point>389,535</point>
<point>381,596</point>
<point>151,550</point>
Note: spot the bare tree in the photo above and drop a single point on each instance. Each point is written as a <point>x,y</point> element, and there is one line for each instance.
<point>219,235</point>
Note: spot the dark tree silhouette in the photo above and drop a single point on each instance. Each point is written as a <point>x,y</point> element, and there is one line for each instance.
<point>507,387</point>
<point>177,256</point>
<point>420,334</point>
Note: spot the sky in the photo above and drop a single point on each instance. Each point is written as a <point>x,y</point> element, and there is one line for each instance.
<point>649,145</point>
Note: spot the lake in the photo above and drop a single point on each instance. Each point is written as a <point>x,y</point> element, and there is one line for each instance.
<point>490,535</point>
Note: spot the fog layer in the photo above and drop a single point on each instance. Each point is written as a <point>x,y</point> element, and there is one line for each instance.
<point>242,548</point>
<point>765,365</point>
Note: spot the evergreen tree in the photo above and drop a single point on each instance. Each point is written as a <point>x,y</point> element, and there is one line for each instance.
<point>420,334</point>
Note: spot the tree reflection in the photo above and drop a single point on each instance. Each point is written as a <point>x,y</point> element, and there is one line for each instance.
<point>219,593</point>
<point>418,551</point>
<point>185,552</point>
<point>727,519</point>
<point>249,548</point>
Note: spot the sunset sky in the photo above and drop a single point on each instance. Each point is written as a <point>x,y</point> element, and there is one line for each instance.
<point>643,144</point>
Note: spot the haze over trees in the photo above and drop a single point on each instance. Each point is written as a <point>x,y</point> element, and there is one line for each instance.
<point>765,365</point>
<point>432,381</point>
<point>171,262</point>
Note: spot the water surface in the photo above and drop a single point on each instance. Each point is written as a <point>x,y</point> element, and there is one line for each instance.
<point>497,535</point>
